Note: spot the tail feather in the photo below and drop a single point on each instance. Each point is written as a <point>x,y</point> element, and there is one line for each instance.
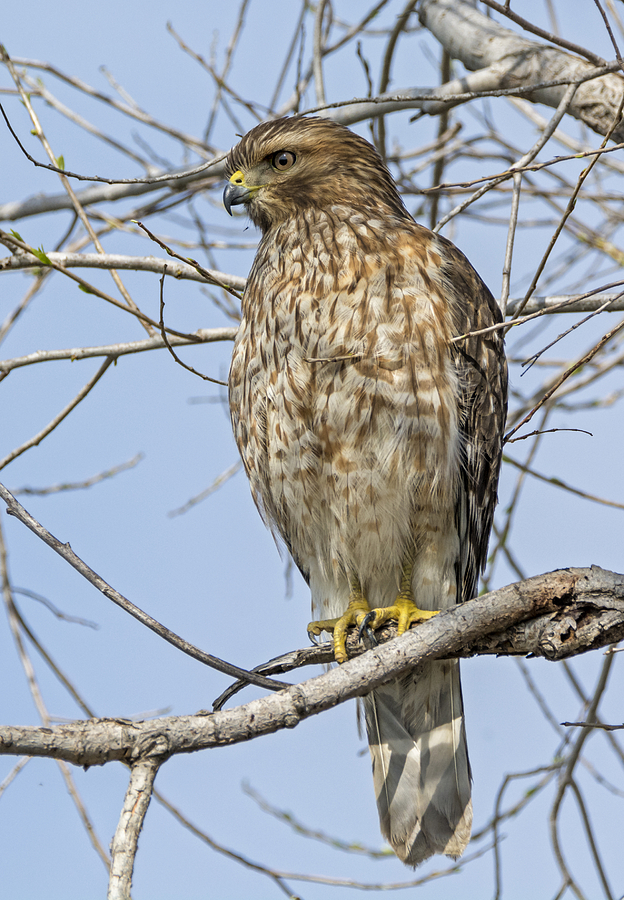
<point>420,762</point>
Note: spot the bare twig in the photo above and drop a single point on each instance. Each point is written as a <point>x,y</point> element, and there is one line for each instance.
<point>14,624</point>
<point>566,778</point>
<point>81,485</point>
<point>163,334</point>
<point>67,185</point>
<point>203,336</point>
<point>64,550</point>
<point>318,52</point>
<point>37,438</point>
<point>210,277</point>
<point>557,482</point>
<point>568,372</point>
<point>219,481</point>
<point>540,32</point>
<point>183,270</point>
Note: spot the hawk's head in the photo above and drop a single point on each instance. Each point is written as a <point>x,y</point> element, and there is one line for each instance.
<point>287,165</point>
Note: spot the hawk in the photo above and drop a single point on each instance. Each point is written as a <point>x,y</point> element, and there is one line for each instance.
<point>371,433</point>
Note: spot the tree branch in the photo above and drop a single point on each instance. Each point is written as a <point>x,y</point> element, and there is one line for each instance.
<point>201,336</point>
<point>125,841</point>
<point>481,43</point>
<point>118,261</point>
<point>585,608</point>
<point>65,551</point>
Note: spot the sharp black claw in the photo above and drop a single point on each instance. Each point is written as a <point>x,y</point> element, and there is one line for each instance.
<point>365,627</point>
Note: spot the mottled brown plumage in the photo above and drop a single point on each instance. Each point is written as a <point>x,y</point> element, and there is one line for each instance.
<point>371,440</point>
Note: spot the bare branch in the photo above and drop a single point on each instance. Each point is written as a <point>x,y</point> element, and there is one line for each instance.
<point>81,485</point>
<point>480,42</point>
<point>548,36</point>
<point>578,592</point>
<point>65,551</point>
<point>181,269</point>
<point>126,839</point>
<point>202,336</point>
<point>59,417</point>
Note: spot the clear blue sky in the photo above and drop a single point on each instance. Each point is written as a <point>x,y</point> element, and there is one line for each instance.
<point>214,575</point>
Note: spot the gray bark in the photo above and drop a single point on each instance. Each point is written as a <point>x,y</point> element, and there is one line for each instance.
<point>556,615</point>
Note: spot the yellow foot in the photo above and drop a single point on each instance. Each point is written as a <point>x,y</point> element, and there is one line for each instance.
<point>404,610</point>
<point>355,613</point>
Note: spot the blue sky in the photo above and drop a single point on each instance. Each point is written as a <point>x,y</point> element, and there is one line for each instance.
<point>214,575</point>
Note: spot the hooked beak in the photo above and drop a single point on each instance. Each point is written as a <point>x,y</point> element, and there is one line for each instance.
<point>236,191</point>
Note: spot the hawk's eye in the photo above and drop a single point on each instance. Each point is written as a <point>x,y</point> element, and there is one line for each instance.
<point>283,160</point>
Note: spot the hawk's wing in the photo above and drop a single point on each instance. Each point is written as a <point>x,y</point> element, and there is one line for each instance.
<point>482,368</point>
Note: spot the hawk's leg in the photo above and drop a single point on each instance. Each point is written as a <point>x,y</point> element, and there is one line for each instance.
<point>355,614</point>
<point>404,610</point>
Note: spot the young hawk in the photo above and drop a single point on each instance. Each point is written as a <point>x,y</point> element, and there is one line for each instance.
<point>371,439</point>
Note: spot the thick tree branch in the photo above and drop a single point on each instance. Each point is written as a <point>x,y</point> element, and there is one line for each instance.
<point>480,43</point>
<point>569,631</point>
<point>503,63</point>
<point>569,598</point>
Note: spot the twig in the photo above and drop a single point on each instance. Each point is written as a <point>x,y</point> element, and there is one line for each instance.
<point>210,277</point>
<point>567,774</point>
<point>132,111</point>
<point>64,550</point>
<point>219,481</point>
<point>229,55</point>
<point>317,58</point>
<point>203,336</point>
<point>550,305</point>
<point>17,768</point>
<point>548,772</point>
<point>528,157</point>
<point>81,485</point>
<point>618,55</point>
<point>524,437</point>
<point>63,617</point>
<point>14,624</point>
<point>591,840</point>
<point>67,184</point>
<point>440,157</point>
<point>224,851</point>
<point>183,271</point>
<point>384,79</point>
<point>568,210</point>
<point>291,821</point>
<point>540,32</point>
<point>557,482</point>
<point>163,334</point>
<point>59,417</point>
<point>613,743</point>
<point>569,371</point>
<point>45,260</point>
<point>511,233</point>
<point>599,725</point>
<point>528,363</point>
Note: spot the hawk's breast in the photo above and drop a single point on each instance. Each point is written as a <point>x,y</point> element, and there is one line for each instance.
<point>343,392</point>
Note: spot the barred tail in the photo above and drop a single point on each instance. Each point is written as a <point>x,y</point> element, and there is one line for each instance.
<point>421,771</point>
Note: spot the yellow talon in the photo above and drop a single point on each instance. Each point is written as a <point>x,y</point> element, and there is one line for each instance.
<point>404,610</point>
<point>355,613</point>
